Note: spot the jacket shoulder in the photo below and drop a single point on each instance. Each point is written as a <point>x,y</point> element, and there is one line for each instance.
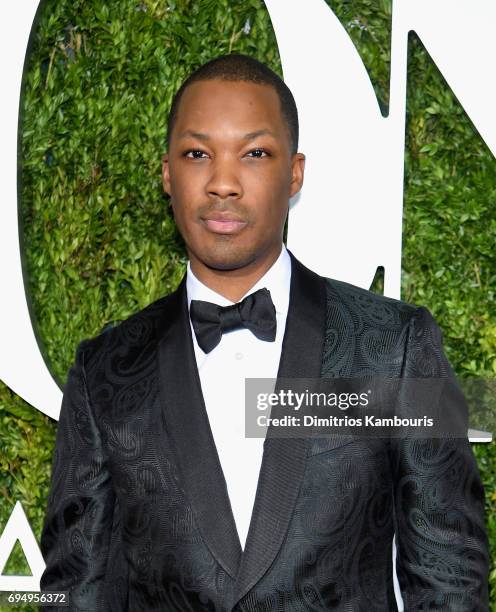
<point>366,333</point>
<point>381,332</point>
<point>370,308</point>
<point>139,331</point>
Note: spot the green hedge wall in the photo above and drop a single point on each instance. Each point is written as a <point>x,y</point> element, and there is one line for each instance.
<point>99,238</point>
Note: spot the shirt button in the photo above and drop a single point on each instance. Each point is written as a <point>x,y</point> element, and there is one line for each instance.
<point>238,356</point>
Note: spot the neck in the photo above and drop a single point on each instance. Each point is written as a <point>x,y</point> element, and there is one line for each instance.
<point>233,284</point>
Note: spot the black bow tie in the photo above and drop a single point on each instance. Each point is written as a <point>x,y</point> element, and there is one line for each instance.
<point>256,312</point>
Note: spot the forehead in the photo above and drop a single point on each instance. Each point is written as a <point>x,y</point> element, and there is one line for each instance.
<point>216,104</point>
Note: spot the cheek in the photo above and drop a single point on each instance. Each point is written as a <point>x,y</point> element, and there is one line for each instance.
<point>180,215</point>
<point>186,180</point>
<point>180,191</point>
<point>182,200</point>
<point>274,201</point>
<point>276,182</point>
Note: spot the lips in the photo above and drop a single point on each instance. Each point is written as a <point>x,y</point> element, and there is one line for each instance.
<point>223,222</point>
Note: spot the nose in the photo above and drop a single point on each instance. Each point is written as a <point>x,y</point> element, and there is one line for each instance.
<point>224,180</point>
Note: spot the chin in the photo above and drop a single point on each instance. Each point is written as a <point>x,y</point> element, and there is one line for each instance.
<point>228,259</point>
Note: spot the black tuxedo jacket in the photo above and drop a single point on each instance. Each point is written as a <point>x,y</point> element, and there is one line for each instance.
<point>139,517</point>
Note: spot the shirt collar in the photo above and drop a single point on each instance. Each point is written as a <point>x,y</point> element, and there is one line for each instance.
<point>277,280</point>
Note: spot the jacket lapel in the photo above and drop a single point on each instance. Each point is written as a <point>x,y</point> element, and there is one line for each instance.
<point>284,459</point>
<point>193,445</point>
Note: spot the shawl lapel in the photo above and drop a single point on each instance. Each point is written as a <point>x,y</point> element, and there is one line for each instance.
<point>193,444</point>
<point>284,459</point>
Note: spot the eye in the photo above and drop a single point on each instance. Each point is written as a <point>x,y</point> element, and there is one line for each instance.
<point>194,154</point>
<point>258,153</point>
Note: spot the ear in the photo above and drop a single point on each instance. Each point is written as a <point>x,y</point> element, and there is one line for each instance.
<point>165,174</point>
<point>297,173</point>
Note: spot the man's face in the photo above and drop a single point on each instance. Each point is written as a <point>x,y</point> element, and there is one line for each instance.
<point>230,173</point>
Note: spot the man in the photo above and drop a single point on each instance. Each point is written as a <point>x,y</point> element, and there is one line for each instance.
<point>158,501</point>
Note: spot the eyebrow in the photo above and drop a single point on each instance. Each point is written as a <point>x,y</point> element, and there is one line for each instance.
<point>252,135</point>
<point>198,135</point>
<point>248,136</point>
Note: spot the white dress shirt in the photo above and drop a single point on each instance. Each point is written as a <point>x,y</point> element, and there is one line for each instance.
<point>239,355</point>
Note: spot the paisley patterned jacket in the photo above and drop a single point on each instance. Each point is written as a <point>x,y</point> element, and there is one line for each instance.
<point>139,518</point>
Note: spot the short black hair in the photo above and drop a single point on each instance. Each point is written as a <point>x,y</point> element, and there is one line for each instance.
<point>239,67</point>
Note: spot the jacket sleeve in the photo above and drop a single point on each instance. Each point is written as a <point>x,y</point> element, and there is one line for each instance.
<point>78,523</point>
<point>442,549</point>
